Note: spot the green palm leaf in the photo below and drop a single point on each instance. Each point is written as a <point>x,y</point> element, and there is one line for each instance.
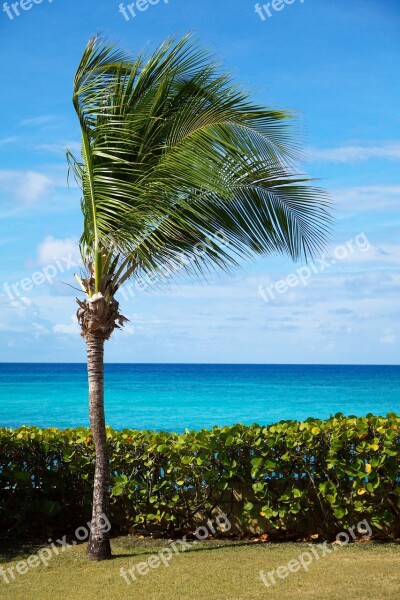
<point>174,152</point>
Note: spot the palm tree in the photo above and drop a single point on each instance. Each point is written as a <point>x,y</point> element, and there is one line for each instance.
<point>174,152</point>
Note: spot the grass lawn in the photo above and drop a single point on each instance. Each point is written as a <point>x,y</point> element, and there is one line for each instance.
<point>211,570</point>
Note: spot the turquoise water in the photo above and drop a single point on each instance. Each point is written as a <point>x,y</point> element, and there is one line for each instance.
<point>174,397</point>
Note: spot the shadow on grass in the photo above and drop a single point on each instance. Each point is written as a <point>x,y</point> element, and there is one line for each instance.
<point>129,547</point>
<point>145,548</point>
<point>11,549</point>
<point>207,546</point>
<point>14,549</point>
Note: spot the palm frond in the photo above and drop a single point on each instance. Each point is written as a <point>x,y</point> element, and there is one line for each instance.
<point>173,151</point>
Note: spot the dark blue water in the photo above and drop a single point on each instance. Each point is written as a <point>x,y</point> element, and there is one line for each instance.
<point>174,397</point>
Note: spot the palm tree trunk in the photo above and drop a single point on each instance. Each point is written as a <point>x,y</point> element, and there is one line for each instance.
<point>99,541</point>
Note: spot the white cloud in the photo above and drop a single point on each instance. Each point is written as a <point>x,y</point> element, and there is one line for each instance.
<point>129,329</point>
<point>350,154</point>
<point>52,248</point>
<point>369,197</point>
<point>38,121</point>
<point>22,315</point>
<point>33,187</point>
<point>23,306</point>
<point>388,337</point>
<point>26,187</point>
<point>384,254</point>
<point>67,328</point>
<point>60,147</point>
<point>7,141</point>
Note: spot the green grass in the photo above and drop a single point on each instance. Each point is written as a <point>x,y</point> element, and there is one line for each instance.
<point>212,570</point>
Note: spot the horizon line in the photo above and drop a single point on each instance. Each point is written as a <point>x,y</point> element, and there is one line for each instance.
<point>210,364</point>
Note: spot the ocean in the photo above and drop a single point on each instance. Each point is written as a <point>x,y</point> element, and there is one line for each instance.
<point>173,397</point>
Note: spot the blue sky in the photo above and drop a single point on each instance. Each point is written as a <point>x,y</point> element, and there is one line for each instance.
<point>335,63</point>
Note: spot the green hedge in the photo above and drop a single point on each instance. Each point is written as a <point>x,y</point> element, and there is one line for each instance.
<point>308,477</point>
